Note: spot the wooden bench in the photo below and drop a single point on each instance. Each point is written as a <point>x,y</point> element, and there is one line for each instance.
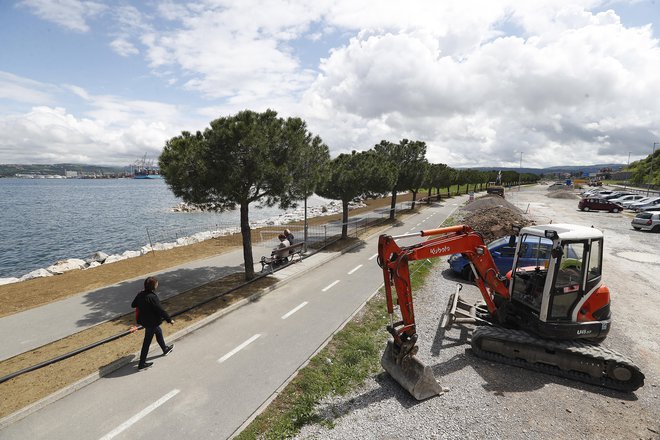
<point>272,262</point>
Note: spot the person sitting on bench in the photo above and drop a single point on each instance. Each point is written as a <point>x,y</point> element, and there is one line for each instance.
<point>280,253</point>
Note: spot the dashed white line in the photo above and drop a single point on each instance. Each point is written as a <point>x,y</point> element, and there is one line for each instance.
<point>354,269</point>
<point>294,310</point>
<point>373,256</point>
<point>329,286</point>
<point>239,348</point>
<point>127,424</point>
<point>418,224</point>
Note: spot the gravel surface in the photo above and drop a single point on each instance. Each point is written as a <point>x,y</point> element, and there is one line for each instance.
<point>494,401</point>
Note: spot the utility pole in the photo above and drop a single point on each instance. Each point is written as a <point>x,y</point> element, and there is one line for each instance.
<point>520,173</point>
<point>627,166</point>
<point>648,188</point>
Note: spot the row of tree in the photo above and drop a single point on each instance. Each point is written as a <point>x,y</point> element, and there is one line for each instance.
<point>261,158</point>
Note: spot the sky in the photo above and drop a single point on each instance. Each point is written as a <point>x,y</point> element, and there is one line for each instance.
<point>503,83</point>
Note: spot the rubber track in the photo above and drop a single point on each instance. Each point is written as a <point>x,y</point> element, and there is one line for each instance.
<point>588,351</point>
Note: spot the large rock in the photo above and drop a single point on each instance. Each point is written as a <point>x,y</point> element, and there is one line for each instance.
<point>98,257</point>
<point>36,274</point>
<point>114,258</point>
<point>66,265</point>
<point>9,280</point>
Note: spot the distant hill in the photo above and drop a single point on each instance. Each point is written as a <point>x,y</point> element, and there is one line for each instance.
<point>571,169</point>
<point>59,169</point>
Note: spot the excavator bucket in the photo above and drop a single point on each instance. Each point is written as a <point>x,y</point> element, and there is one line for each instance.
<point>411,374</point>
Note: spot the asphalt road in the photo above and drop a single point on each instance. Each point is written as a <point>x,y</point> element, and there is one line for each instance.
<point>219,376</point>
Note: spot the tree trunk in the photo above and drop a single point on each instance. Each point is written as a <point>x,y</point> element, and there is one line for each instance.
<point>428,201</point>
<point>247,242</point>
<point>393,204</point>
<point>414,199</point>
<point>344,218</point>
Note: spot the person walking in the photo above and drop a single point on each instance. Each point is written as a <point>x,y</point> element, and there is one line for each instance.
<point>150,314</point>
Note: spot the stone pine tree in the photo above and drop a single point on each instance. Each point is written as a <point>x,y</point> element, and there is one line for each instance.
<point>310,169</point>
<point>241,159</point>
<point>353,175</point>
<point>407,158</point>
<point>417,179</point>
<point>434,178</point>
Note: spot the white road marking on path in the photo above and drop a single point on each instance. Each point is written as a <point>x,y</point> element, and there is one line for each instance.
<point>354,269</point>
<point>127,424</point>
<point>329,286</point>
<point>239,348</point>
<point>373,256</point>
<point>294,310</point>
<point>418,224</point>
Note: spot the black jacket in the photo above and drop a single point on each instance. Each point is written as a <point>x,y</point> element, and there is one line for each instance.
<point>150,312</point>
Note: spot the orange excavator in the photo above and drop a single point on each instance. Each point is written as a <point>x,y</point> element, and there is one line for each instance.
<point>549,317</point>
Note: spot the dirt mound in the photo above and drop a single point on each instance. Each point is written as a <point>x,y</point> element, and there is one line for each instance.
<point>493,217</point>
<point>562,194</point>
<point>488,202</point>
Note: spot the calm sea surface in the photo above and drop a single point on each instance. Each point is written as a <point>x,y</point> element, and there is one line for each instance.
<point>46,220</point>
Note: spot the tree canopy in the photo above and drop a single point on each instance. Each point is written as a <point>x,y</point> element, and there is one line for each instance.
<point>354,175</point>
<point>245,158</point>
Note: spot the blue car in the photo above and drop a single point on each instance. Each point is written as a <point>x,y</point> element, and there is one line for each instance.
<point>533,253</point>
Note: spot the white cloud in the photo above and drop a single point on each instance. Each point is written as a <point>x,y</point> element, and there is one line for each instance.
<point>555,96</point>
<point>15,88</point>
<point>113,131</point>
<point>70,14</point>
<point>124,47</point>
<point>479,81</point>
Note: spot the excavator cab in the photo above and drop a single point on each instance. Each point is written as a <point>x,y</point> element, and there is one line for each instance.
<point>563,297</point>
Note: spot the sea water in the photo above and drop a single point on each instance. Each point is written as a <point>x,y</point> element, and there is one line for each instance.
<point>46,220</point>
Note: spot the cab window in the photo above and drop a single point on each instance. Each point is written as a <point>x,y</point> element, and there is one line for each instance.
<point>569,278</point>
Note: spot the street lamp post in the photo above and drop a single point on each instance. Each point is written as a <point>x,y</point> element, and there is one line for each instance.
<point>648,188</point>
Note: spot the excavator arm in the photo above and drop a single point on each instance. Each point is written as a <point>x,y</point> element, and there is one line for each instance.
<point>394,259</point>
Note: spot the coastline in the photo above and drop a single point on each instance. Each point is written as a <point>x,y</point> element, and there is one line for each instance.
<point>99,257</point>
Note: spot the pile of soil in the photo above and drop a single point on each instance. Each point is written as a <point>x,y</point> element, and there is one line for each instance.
<point>493,217</point>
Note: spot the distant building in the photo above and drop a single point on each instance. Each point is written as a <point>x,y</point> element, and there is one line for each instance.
<point>71,174</point>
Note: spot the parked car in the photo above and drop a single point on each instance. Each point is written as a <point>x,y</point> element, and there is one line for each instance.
<point>647,221</point>
<point>597,193</point>
<point>617,194</point>
<point>627,204</point>
<point>641,206</point>
<point>598,204</point>
<point>533,253</point>
<point>627,199</point>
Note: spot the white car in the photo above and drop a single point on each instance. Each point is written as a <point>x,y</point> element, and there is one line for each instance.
<point>647,221</point>
<point>646,205</point>
<point>628,203</point>
<point>628,198</point>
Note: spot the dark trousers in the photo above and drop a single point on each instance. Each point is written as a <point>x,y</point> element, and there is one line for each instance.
<point>149,333</point>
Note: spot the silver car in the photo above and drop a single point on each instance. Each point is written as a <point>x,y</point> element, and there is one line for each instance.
<point>647,221</point>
